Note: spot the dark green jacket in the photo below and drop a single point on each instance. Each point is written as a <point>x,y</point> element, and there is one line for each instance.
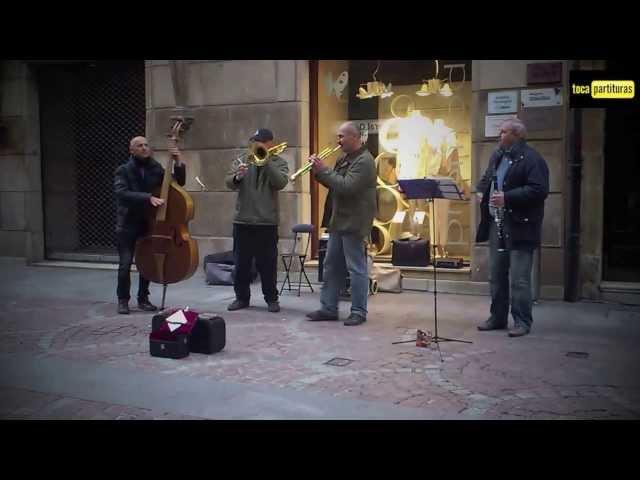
<point>257,202</point>
<point>352,185</point>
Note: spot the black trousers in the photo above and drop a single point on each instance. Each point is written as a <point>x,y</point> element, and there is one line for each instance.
<point>259,242</point>
<point>126,250</point>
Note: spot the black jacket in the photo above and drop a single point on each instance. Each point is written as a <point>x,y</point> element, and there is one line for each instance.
<point>133,191</point>
<point>526,186</point>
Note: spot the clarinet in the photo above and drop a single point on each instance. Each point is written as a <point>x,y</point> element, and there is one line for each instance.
<point>499,219</point>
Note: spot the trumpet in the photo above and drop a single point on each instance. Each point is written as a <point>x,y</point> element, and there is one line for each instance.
<point>321,155</point>
<point>259,154</point>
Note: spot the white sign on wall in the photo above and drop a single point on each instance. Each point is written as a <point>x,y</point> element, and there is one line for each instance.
<point>541,97</point>
<point>492,124</point>
<point>503,102</point>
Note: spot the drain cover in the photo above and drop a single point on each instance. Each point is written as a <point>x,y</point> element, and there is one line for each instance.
<point>578,354</point>
<point>339,362</point>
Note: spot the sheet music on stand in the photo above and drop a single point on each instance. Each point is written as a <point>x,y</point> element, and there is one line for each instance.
<point>431,187</point>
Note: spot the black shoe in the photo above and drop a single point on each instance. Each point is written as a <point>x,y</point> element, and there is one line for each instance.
<point>273,307</point>
<point>146,306</point>
<point>491,325</point>
<point>354,319</point>
<point>518,331</point>
<point>322,315</point>
<point>123,307</point>
<point>237,305</point>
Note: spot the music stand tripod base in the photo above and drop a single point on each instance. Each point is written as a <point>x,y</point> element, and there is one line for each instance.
<point>429,189</point>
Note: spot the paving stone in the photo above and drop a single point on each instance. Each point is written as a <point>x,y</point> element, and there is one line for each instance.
<point>287,353</point>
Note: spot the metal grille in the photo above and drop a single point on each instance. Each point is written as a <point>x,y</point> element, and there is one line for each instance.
<point>89,113</point>
<point>110,110</point>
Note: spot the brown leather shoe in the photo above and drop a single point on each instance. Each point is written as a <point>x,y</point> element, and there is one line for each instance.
<point>146,306</point>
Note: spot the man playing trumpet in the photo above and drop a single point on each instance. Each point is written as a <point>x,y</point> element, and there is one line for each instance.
<point>255,224</point>
<point>352,185</point>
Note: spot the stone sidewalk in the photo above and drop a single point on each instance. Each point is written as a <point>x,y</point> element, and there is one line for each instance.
<point>65,353</point>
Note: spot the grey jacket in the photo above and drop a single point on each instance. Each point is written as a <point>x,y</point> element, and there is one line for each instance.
<point>257,202</point>
<point>352,185</point>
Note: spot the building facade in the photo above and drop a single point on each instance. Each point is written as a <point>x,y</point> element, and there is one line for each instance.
<point>64,128</point>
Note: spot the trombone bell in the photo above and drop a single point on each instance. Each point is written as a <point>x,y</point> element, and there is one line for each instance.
<point>259,153</point>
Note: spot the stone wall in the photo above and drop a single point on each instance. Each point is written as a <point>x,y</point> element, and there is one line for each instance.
<point>546,133</point>
<point>21,219</point>
<point>230,100</point>
<point>592,196</point>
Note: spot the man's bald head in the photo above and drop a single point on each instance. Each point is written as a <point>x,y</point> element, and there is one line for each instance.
<point>139,147</point>
<point>349,137</point>
<point>136,140</point>
<point>351,128</point>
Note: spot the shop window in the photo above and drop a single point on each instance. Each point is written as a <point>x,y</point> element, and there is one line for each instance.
<point>416,121</point>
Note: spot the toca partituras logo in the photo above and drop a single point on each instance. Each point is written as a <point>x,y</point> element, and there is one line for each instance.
<point>599,89</point>
<point>624,89</point>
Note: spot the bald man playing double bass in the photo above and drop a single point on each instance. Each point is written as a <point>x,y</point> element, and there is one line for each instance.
<point>134,182</point>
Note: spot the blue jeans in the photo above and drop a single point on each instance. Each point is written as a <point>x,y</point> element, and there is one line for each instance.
<point>345,251</point>
<point>517,264</point>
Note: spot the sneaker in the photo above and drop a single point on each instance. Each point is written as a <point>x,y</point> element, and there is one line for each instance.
<point>518,331</point>
<point>123,307</point>
<point>322,315</point>
<point>237,305</point>
<point>354,319</point>
<point>273,307</point>
<point>145,305</point>
<point>491,325</point>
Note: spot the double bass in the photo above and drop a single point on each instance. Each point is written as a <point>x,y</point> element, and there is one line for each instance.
<point>167,253</point>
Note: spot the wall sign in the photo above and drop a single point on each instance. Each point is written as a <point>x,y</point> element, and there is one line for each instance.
<point>541,97</point>
<point>547,72</point>
<point>503,102</point>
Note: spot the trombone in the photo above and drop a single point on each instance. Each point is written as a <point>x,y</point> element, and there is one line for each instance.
<point>259,154</point>
<point>321,155</point>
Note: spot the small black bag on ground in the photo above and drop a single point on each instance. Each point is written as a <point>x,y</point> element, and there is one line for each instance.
<point>410,253</point>
<point>177,348</point>
<point>208,334</point>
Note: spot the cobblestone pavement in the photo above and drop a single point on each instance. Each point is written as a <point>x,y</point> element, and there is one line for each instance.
<point>21,404</point>
<point>70,314</point>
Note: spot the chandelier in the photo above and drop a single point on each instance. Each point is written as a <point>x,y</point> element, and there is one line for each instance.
<point>375,88</point>
<point>435,86</point>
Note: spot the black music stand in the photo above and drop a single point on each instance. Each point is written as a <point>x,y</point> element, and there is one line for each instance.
<point>429,189</point>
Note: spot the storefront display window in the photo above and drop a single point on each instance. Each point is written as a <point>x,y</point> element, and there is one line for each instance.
<point>415,118</point>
